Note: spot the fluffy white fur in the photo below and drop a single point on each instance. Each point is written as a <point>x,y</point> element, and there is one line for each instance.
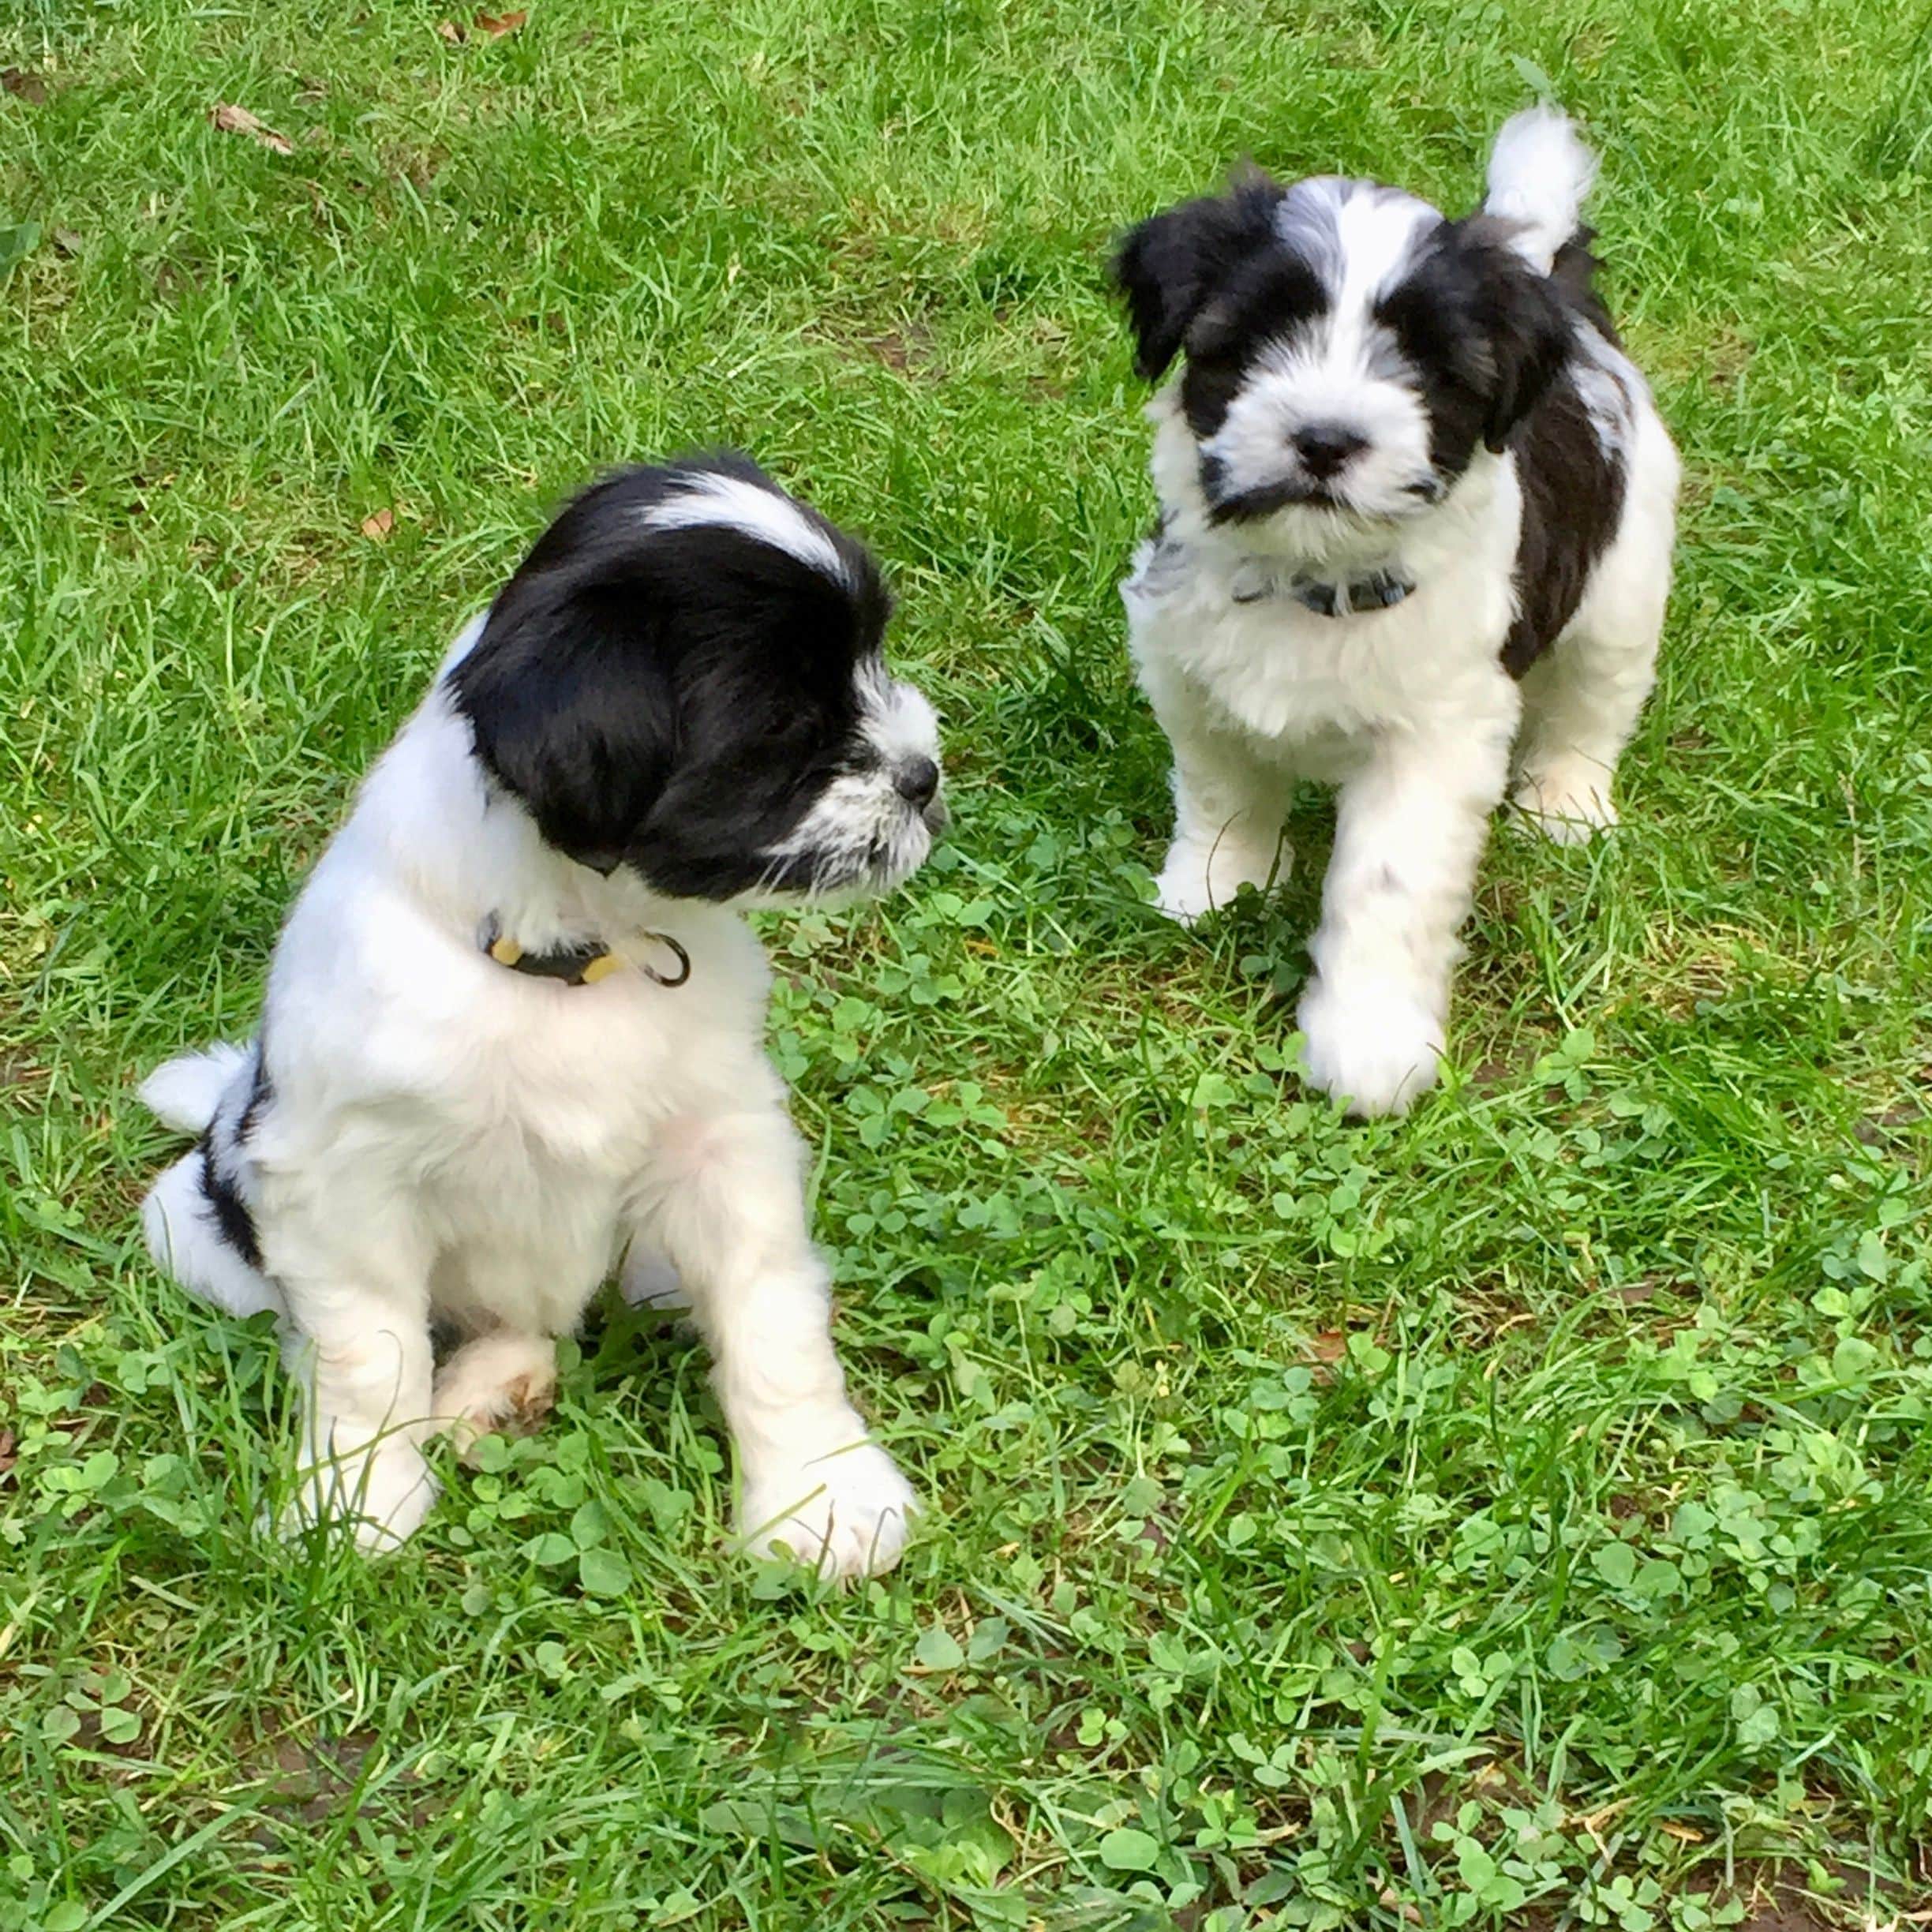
<point>445,1136</point>
<point>732,503</point>
<point>184,1093</point>
<point>1407,710</point>
<point>1539,173</point>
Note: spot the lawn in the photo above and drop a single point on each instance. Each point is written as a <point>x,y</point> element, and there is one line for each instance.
<point>1519,1515</point>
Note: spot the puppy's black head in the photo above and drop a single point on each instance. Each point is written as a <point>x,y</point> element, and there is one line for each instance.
<point>686,677</point>
<point>1347,348</point>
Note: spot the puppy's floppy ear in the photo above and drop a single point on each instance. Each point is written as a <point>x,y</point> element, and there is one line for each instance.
<point>569,699</point>
<point>1169,267</point>
<point>1522,314</point>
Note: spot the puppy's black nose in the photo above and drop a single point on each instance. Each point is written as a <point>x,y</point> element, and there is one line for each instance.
<point>917,781</point>
<point>1324,447</point>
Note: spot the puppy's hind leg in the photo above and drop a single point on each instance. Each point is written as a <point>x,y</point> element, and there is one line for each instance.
<point>504,1383</point>
<point>1582,698</point>
<point>1581,701</point>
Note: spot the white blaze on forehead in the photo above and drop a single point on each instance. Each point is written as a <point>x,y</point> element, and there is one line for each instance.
<point>1380,230</point>
<point>1361,238</point>
<point>734,503</point>
<point>1355,234</point>
<point>895,720</point>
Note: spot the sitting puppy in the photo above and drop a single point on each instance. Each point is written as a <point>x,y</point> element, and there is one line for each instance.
<point>1413,496</point>
<point>513,1027</point>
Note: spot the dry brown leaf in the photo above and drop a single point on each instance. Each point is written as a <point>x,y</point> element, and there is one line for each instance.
<point>450,32</point>
<point>6,1451</point>
<point>28,85</point>
<point>376,528</point>
<point>496,25</point>
<point>233,120</point>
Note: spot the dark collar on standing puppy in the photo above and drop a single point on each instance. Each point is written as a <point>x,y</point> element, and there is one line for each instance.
<point>1348,598</point>
<point>578,965</point>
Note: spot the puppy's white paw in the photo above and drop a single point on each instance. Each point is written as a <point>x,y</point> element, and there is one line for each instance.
<point>1568,802</point>
<point>1198,880</point>
<point>503,1383</point>
<point>380,1496</point>
<point>844,1515</point>
<point>1377,1048</point>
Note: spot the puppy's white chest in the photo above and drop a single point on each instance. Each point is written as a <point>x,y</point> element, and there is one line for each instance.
<point>542,1156</point>
<point>583,1081</point>
<point>1269,668</point>
<point>1258,659</point>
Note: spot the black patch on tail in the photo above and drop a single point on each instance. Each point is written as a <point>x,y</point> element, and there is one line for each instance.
<point>231,1214</point>
<point>232,1217</point>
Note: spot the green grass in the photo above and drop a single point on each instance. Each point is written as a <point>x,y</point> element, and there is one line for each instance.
<point>1518,1516</point>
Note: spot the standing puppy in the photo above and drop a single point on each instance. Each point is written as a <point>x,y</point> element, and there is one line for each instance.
<point>1413,497</point>
<point>514,1025</point>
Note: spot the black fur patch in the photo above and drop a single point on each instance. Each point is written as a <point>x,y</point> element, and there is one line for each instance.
<point>1572,499</point>
<point>674,700</point>
<point>231,1212</point>
<point>1275,296</point>
<point>1223,278</point>
<point>1574,271</point>
<point>1173,264</point>
<point>1573,487</point>
<point>1481,336</point>
<point>261,1090</point>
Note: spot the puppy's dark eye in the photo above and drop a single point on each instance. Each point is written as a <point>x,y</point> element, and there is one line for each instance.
<point>1209,387</point>
<point>1212,336</point>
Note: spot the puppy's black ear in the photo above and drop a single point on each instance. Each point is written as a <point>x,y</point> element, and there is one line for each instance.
<point>567,692</point>
<point>1169,267</point>
<point>1523,315</point>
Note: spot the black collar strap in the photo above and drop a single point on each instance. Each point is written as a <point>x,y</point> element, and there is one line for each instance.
<point>1379,591</point>
<point>579,965</point>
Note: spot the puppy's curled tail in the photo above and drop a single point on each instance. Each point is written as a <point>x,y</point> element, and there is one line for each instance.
<point>184,1093</point>
<point>1539,173</point>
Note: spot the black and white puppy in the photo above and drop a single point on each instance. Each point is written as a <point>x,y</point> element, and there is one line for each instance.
<point>513,1032</point>
<point>1417,508</point>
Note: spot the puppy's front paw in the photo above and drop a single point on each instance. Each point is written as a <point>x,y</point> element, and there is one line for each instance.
<point>381,1496</point>
<point>1568,802</point>
<point>1377,1048</point>
<point>1196,881</point>
<point>844,1515</point>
